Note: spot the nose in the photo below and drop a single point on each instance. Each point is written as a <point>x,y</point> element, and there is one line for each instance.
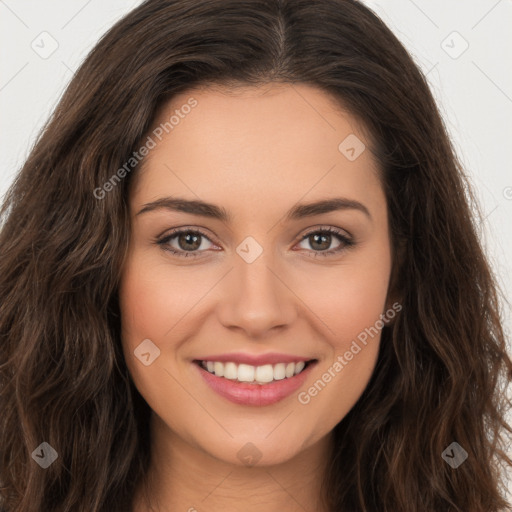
<point>256,298</point>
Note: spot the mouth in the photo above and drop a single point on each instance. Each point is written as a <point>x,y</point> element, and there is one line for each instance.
<point>258,375</point>
<point>246,384</point>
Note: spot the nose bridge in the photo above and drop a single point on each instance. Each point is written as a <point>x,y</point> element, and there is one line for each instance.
<point>257,300</point>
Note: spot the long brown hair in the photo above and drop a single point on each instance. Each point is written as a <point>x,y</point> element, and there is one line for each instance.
<point>442,369</point>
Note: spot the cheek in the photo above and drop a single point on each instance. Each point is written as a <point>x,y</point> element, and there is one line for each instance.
<point>347,298</point>
<point>148,311</point>
<point>145,314</point>
<point>352,309</point>
<point>151,303</point>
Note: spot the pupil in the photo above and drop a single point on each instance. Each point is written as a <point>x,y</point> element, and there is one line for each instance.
<point>321,241</point>
<point>186,239</point>
<point>325,238</point>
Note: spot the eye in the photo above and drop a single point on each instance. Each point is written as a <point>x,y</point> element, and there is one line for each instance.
<point>322,238</point>
<point>185,242</point>
<point>188,243</point>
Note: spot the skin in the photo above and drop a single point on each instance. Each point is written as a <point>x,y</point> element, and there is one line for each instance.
<point>256,152</point>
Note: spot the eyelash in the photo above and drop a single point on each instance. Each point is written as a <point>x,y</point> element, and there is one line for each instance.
<point>346,242</point>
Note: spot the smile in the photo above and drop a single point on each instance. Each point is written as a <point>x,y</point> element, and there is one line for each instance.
<point>261,385</point>
<point>256,374</point>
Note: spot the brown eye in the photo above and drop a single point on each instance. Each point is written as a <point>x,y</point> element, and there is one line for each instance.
<point>185,242</point>
<point>320,241</point>
<point>189,241</point>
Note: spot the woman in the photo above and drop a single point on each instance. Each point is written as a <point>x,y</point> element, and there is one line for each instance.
<point>239,270</point>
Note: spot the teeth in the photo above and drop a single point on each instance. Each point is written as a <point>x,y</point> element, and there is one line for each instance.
<point>279,371</point>
<point>230,371</point>
<point>299,367</point>
<point>290,370</point>
<point>264,373</point>
<point>247,373</point>
<point>218,369</point>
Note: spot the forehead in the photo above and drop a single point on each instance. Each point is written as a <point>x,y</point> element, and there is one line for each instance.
<point>274,141</point>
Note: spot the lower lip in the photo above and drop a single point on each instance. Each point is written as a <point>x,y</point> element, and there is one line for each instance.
<point>255,394</point>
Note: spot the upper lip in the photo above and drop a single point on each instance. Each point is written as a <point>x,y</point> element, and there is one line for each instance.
<point>254,359</point>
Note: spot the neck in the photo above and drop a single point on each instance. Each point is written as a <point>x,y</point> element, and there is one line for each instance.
<point>183,477</point>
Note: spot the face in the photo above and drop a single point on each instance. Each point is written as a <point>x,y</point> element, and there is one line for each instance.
<point>271,283</point>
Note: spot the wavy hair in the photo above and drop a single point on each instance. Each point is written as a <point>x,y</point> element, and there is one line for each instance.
<point>443,368</point>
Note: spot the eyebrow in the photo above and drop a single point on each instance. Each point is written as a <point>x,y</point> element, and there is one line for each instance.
<point>299,211</point>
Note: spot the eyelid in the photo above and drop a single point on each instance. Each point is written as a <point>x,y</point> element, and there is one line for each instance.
<point>186,228</point>
<point>346,239</point>
<point>165,238</point>
<point>326,227</point>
